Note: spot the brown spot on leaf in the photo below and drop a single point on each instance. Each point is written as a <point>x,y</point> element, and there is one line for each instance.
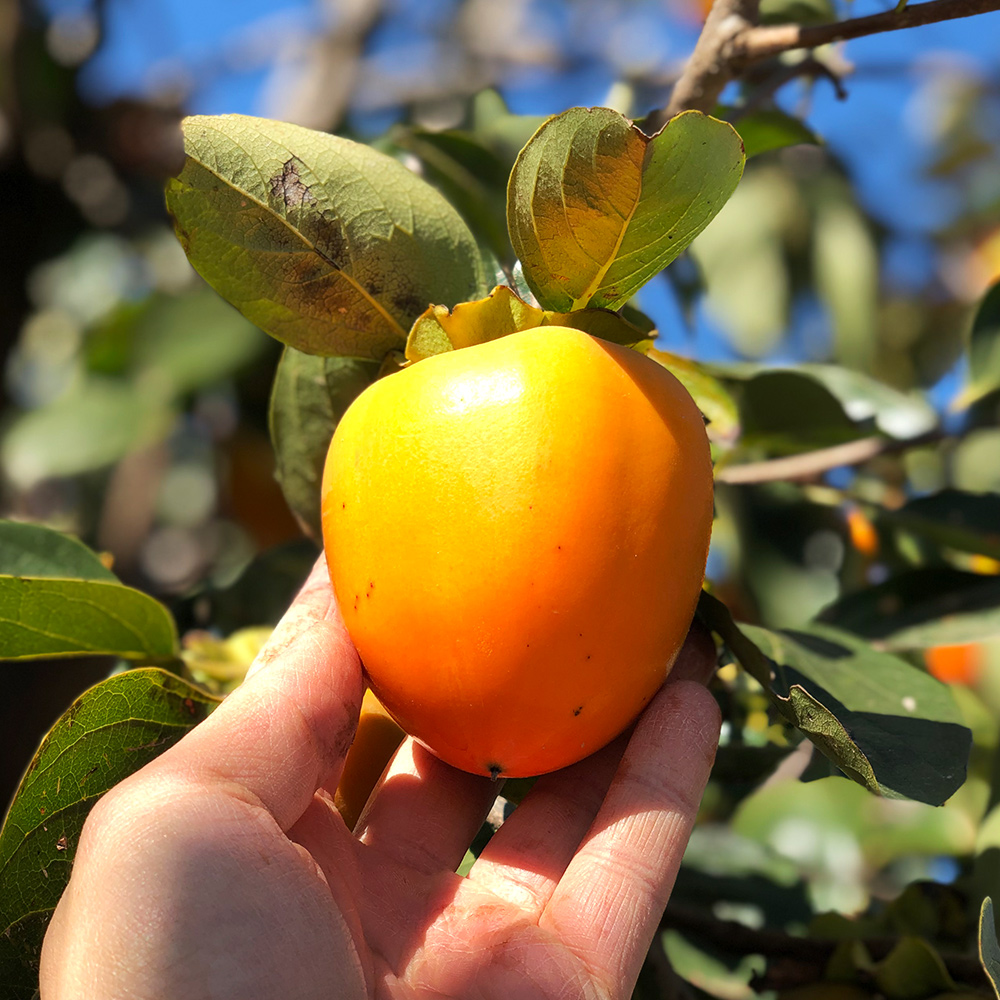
<point>62,844</point>
<point>289,187</point>
<point>330,239</point>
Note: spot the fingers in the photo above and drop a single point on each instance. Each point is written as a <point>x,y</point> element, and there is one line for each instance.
<point>608,903</point>
<point>424,813</point>
<point>286,730</point>
<point>697,659</point>
<point>527,856</point>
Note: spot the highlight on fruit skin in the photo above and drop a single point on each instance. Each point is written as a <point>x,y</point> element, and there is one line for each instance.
<point>516,534</point>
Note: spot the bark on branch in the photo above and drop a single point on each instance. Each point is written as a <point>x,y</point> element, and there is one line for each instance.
<point>731,40</point>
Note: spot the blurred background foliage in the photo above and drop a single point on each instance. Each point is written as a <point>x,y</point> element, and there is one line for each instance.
<point>833,301</point>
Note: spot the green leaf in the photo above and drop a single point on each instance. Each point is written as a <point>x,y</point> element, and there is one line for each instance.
<point>769,129</point>
<point>911,971</point>
<point>108,733</point>
<point>31,550</point>
<point>595,208</point>
<point>984,351</point>
<point>708,392</point>
<point>185,342</point>
<point>55,601</point>
<point>743,260</point>
<point>846,270</point>
<point>968,522</point>
<point>924,607</point>
<point>898,414</point>
<point>788,412</point>
<point>813,405</point>
<point>470,176</point>
<point>989,950</point>
<point>309,396</point>
<point>326,244</point>
<point>886,724</point>
<point>87,429</point>
<point>503,312</point>
<point>798,11</point>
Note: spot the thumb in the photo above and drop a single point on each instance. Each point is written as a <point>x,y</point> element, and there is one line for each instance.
<point>286,729</point>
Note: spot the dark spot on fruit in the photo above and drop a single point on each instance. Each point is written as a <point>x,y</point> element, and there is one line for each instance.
<point>343,506</point>
<point>495,770</point>
<point>588,656</point>
<point>578,709</point>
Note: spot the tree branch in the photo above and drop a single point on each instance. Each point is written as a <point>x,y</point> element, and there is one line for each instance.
<point>808,464</point>
<point>731,41</point>
<point>763,42</point>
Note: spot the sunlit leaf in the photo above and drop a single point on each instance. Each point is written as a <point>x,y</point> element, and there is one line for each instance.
<point>595,208</point>
<point>501,313</point>
<point>924,607</point>
<point>308,397</point>
<point>47,609</point>
<point>989,950</point>
<point>108,733</point>
<point>886,724</point>
<point>324,243</point>
<point>814,405</point>
<point>770,128</point>
<point>899,414</point>
<point>984,351</point>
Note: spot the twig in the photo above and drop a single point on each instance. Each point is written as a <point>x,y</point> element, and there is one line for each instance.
<point>803,466</point>
<point>806,67</point>
<point>812,463</point>
<point>763,42</point>
<point>707,71</point>
<point>731,40</point>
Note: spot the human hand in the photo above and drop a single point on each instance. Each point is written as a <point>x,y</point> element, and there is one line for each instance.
<point>222,870</point>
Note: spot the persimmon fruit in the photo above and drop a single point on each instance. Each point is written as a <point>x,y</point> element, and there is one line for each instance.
<point>516,534</point>
<point>376,740</point>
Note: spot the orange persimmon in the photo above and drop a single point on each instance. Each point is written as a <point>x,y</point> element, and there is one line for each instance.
<point>516,534</point>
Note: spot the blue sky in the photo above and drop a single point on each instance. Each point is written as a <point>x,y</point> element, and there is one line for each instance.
<point>229,48</point>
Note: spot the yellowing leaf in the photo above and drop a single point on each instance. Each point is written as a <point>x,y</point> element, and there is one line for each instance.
<point>324,243</point>
<point>596,208</point>
<point>503,311</point>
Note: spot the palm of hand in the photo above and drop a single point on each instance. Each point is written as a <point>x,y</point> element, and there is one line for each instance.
<point>223,870</point>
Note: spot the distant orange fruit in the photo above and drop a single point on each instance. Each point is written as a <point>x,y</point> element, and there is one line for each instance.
<point>864,534</point>
<point>516,534</point>
<point>958,664</point>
